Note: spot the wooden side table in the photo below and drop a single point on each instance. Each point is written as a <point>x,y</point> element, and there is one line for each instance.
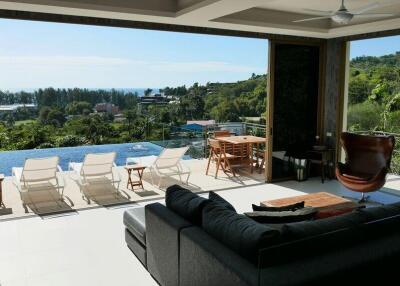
<point>1,190</point>
<point>325,158</point>
<point>140,169</point>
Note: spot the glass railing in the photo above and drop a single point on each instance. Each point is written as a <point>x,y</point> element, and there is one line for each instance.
<point>197,140</point>
<point>197,147</point>
<point>241,128</point>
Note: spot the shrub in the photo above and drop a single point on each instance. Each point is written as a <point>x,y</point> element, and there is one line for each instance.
<point>364,116</point>
<point>393,122</point>
<point>45,145</point>
<point>70,141</point>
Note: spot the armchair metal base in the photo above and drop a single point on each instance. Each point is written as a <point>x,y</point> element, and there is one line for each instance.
<point>365,199</point>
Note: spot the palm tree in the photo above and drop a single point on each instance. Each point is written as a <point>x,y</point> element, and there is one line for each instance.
<point>130,116</point>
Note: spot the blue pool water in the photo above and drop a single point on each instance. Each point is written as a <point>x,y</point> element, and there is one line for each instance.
<point>9,159</point>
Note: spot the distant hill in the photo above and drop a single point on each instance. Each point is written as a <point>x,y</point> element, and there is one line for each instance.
<point>366,62</point>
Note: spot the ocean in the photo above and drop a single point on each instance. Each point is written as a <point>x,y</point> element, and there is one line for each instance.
<point>140,91</point>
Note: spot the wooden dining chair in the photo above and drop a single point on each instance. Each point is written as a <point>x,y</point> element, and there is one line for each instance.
<point>242,153</point>
<point>260,154</point>
<point>222,159</point>
<point>224,133</point>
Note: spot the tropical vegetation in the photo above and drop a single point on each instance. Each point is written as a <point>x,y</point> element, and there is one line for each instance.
<point>374,97</point>
<point>66,117</point>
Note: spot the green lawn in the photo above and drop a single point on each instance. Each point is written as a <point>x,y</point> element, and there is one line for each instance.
<point>24,122</point>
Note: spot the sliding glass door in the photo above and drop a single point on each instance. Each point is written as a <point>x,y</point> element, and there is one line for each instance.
<point>292,105</point>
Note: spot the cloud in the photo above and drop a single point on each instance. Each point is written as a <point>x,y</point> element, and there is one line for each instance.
<point>206,66</point>
<point>60,62</point>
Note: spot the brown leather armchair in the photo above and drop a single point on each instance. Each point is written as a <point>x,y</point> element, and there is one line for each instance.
<point>367,162</point>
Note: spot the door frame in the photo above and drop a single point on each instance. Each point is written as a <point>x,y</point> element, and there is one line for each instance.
<point>271,90</point>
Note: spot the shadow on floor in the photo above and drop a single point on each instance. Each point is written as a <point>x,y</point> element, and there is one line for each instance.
<point>45,200</point>
<point>144,193</point>
<point>104,193</point>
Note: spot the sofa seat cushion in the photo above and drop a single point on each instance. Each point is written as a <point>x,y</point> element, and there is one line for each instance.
<point>185,203</point>
<point>238,232</point>
<point>303,214</point>
<point>134,221</point>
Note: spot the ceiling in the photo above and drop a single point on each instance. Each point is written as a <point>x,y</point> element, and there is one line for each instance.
<point>265,16</point>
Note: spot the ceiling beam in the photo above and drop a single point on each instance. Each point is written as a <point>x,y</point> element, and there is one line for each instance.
<point>211,15</point>
<point>208,10</point>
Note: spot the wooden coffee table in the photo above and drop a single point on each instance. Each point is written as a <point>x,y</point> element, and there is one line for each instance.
<point>140,170</point>
<point>322,201</point>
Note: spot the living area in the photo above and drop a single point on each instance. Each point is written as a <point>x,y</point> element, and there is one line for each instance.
<point>60,249</point>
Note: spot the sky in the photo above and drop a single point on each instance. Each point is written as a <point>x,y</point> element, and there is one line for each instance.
<point>375,47</point>
<point>40,54</point>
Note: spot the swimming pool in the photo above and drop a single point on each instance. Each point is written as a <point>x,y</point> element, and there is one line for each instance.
<point>9,159</point>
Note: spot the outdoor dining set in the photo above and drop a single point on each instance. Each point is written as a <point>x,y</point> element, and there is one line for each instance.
<point>230,152</point>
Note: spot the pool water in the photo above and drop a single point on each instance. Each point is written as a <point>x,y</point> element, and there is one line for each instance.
<point>9,159</point>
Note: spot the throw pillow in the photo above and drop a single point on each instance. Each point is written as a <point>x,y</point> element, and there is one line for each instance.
<point>291,207</point>
<point>307,213</point>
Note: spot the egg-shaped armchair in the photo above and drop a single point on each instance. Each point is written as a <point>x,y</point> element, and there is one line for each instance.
<point>367,163</point>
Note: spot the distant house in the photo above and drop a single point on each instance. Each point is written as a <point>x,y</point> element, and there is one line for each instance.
<point>106,107</point>
<point>119,117</point>
<point>202,122</point>
<point>11,108</point>
<point>157,98</point>
<point>153,99</point>
<point>198,125</point>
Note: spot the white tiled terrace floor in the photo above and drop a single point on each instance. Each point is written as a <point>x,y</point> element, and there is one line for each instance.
<point>88,247</point>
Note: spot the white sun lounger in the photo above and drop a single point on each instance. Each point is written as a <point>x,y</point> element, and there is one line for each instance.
<point>169,163</point>
<point>96,167</point>
<point>39,173</point>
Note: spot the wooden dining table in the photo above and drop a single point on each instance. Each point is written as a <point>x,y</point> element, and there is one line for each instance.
<point>246,140</point>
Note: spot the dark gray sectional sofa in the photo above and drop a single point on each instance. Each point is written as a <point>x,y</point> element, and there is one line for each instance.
<point>223,248</point>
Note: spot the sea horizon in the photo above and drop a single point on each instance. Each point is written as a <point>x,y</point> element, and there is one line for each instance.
<point>139,90</point>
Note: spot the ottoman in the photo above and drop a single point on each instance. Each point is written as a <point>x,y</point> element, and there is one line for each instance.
<point>135,232</point>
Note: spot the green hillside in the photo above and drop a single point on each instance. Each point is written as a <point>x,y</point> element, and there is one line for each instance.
<point>374,93</point>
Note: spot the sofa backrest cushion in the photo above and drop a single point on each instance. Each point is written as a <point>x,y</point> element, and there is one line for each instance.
<point>212,196</point>
<point>377,213</point>
<point>185,203</point>
<point>238,232</point>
